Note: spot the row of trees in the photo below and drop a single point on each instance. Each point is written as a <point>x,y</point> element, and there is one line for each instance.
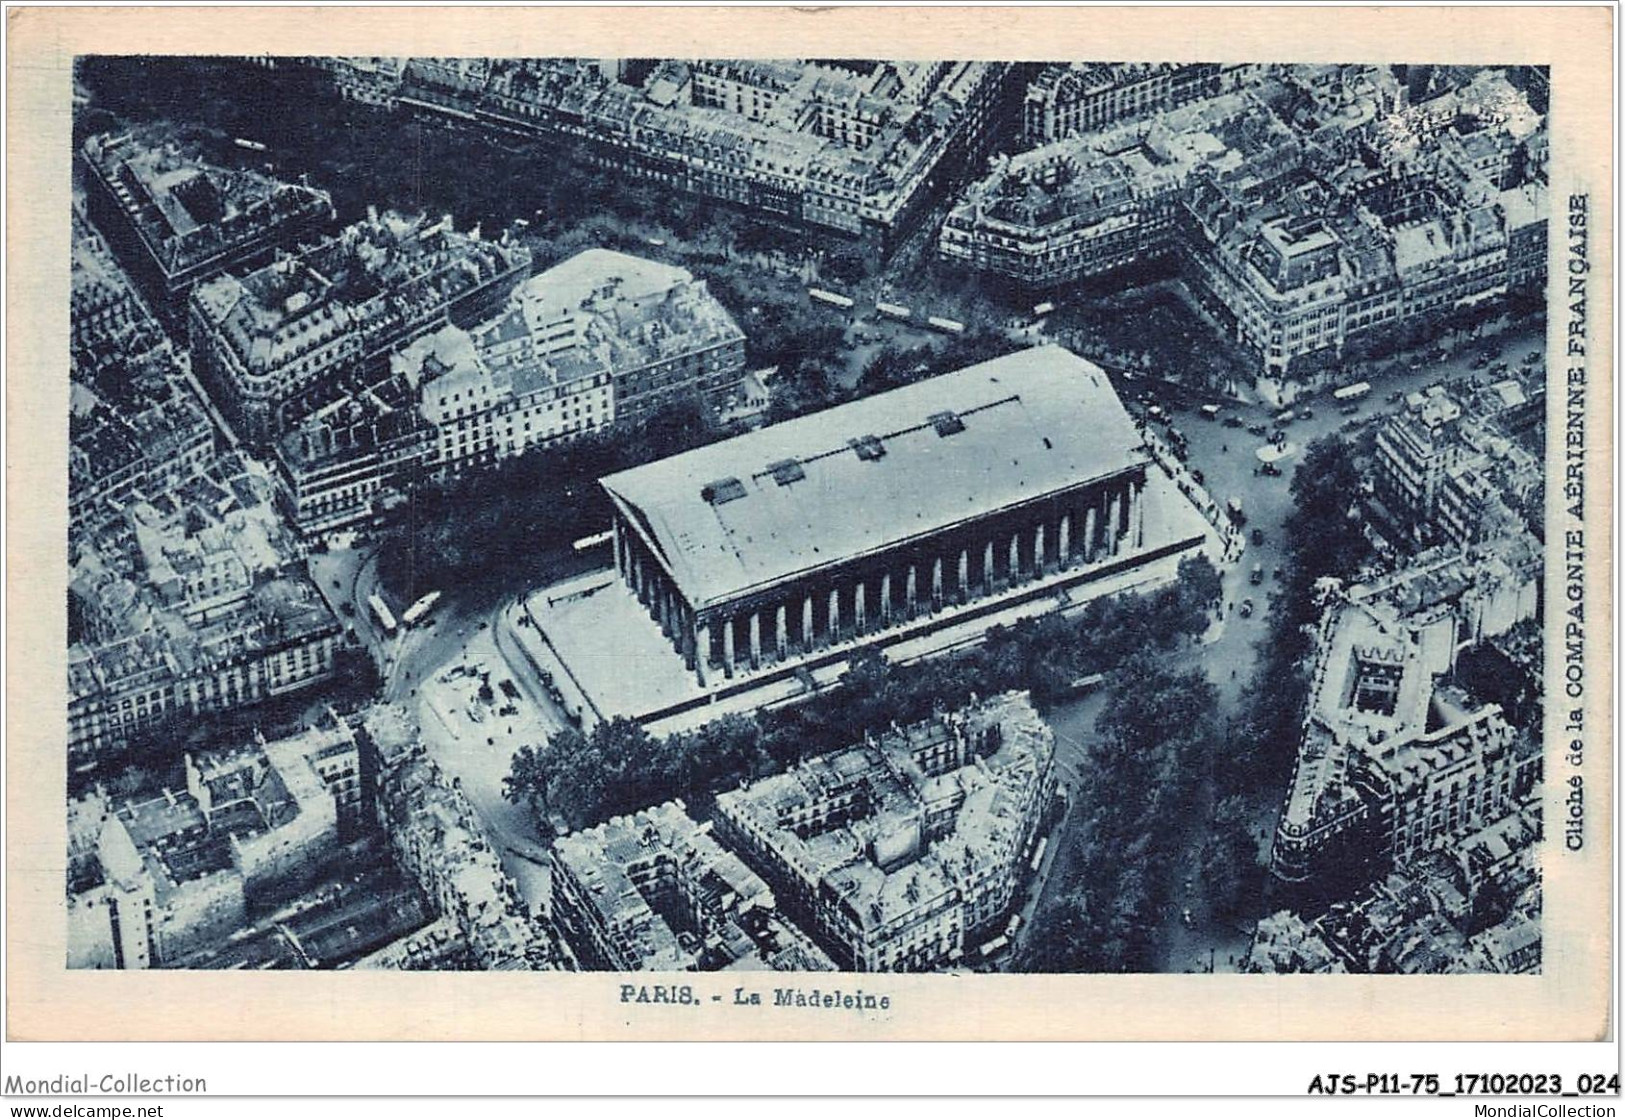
<point>1138,782</point>
<point>1154,328</point>
<point>1156,738</point>
<point>1325,538</point>
<point>619,768</point>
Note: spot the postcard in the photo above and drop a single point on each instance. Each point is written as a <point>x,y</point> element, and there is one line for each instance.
<point>769,524</point>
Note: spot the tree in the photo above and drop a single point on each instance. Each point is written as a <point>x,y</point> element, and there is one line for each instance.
<point>1231,874</point>
<point>1200,586</point>
<point>1067,940</point>
<point>806,383</point>
<point>762,237</point>
<point>846,264</point>
<point>1322,540</point>
<point>526,781</point>
<point>1322,535</point>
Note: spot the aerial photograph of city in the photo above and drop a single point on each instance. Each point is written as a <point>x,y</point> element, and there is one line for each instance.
<point>515,515</point>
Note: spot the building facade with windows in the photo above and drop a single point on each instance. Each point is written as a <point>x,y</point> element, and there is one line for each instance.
<point>653,891</point>
<point>179,221</point>
<point>1392,761</point>
<point>851,147</point>
<point>271,345</point>
<point>1066,99</point>
<point>283,639</point>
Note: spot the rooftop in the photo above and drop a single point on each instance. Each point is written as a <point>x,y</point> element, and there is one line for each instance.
<point>188,211</point>
<point>822,489</point>
<point>628,865</point>
<point>377,279</point>
<point>895,821</point>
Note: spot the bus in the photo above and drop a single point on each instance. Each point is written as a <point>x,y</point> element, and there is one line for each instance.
<point>419,610</point>
<point>992,947</point>
<point>1352,392</point>
<point>381,611</point>
<point>1038,853</point>
<point>947,326</point>
<point>248,145</point>
<point>830,298</point>
<point>1042,309</point>
<point>894,311</point>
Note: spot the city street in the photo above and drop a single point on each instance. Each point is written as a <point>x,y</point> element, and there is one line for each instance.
<point>1227,458</point>
<point>418,664</point>
<point>474,740</point>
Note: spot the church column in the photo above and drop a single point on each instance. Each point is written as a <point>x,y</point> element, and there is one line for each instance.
<point>620,551</point>
<point>964,574</point>
<point>834,615</point>
<point>987,569</point>
<point>702,648</point>
<point>1138,523</point>
<point>756,639</point>
<point>936,583</point>
<point>1114,517</point>
<point>727,625</point>
<point>885,599</point>
<point>911,592</point>
<point>1064,539</point>
<point>1015,558</point>
<point>1090,528</point>
<point>807,623</point>
<point>860,607</point>
<point>1038,551</point>
<point>781,631</point>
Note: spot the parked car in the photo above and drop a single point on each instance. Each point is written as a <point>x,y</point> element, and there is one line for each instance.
<point>1232,422</point>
